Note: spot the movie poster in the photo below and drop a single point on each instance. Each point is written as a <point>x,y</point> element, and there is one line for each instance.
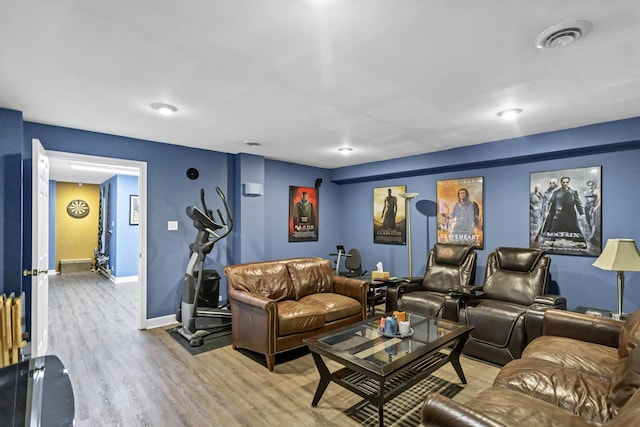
<point>389,225</point>
<point>303,214</point>
<point>565,211</point>
<point>461,211</point>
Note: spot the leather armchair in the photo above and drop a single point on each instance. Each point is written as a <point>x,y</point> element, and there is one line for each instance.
<point>449,267</point>
<point>513,292</point>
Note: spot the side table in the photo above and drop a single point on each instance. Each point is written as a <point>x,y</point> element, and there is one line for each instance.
<point>598,312</point>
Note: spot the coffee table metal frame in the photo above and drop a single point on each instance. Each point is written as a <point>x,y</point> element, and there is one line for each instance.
<point>377,381</point>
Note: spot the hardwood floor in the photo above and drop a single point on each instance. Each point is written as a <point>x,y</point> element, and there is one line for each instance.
<point>122,376</point>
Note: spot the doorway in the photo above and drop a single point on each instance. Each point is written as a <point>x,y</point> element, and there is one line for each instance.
<point>72,167</point>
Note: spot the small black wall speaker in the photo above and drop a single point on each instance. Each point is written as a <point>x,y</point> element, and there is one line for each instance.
<point>192,173</point>
<point>318,182</point>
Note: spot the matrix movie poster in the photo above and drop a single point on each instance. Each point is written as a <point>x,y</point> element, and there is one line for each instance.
<point>303,214</point>
<point>460,211</point>
<point>565,211</point>
<point>389,225</point>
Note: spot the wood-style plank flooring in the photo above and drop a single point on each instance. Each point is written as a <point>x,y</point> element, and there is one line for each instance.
<point>122,376</point>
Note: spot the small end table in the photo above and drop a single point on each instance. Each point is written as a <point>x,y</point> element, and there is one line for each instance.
<point>598,312</point>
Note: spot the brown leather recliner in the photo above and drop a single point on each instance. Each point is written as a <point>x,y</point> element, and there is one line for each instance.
<point>515,283</point>
<point>449,267</point>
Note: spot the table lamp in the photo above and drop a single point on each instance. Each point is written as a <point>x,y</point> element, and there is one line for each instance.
<point>619,255</point>
<point>408,197</point>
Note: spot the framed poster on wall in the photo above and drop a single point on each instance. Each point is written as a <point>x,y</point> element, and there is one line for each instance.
<point>303,214</point>
<point>134,210</point>
<point>565,211</point>
<point>460,207</point>
<point>389,225</point>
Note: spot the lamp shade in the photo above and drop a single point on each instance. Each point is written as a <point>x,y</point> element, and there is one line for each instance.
<point>619,255</point>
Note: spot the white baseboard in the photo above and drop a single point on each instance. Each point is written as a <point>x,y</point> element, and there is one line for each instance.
<point>160,322</point>
<point>125,279</point>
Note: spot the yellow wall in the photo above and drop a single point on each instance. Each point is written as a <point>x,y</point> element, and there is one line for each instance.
<point>76,237</point>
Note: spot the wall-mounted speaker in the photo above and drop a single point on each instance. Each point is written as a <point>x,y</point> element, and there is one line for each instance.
<point>252,189</point>
<point>192,173</point>
<point>318,182</point>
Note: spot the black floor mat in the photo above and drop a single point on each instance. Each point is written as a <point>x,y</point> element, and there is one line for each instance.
<point>210,342</point>
<point>405,409</point>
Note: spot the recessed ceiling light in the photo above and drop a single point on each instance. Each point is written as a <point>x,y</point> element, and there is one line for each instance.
<point>563,34</point>
<point>164,109</point>
<point>345,150</point>
<point>510,114</point>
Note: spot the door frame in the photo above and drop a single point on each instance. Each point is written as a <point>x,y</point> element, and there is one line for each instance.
<point>142,227</point>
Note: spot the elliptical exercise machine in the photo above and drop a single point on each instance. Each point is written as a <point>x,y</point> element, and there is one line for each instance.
<point>198,310</point>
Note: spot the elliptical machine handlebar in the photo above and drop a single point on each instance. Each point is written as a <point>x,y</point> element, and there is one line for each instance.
<point>205,221</point>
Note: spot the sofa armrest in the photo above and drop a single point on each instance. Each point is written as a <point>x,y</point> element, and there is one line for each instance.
<point>581,326</point>
<point>353,288</point>
<point>439,410</point>
<point>394,291</point>
<point>255,321</point>
<point>553,301</point>
<point>253,300</point>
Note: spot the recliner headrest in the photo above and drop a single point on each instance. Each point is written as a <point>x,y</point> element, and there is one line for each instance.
<point>452,254</point>
<point>518,259</point>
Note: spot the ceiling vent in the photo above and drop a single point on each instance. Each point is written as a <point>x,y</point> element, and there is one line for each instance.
<point>563,34</point>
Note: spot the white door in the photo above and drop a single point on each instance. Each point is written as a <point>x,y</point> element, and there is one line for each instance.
<point>40,250</point>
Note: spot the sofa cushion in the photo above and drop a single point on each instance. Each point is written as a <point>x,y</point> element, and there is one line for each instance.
<point>512,408</point>
<point>310,276</point>
<point>295,317</point>
<point>630,335</point>
<point>591,358</point>
<point>335,306</point>
<point>626,380</point>
<point>572,389</point>
<point>268,279</point>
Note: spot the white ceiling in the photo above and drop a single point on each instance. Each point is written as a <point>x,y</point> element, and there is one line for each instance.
<point>389,78</point>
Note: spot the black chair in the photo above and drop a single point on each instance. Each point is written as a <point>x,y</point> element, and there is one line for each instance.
<point>450,267</point>
<point>513,295</point>
<point>353,264</point>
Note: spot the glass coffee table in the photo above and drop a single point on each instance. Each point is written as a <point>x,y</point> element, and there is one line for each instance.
<point>377,367</point>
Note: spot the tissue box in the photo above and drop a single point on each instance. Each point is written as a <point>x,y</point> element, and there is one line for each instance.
<point>379,275</point>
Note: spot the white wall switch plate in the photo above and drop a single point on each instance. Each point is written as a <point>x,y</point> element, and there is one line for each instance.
<point>172,225</point>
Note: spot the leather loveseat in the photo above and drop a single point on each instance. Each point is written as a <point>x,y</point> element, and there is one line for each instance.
<point>582,371</point>
<point>277,304</point>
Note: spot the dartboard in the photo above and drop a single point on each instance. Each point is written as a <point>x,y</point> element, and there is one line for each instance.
<point>78,208</point>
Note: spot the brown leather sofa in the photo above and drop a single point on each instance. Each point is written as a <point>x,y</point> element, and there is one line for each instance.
<point>277,304</point>
<point>583,371</point>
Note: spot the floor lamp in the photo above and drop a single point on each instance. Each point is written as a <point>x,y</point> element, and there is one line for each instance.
<point>408,197</point>
<point>619,255</point>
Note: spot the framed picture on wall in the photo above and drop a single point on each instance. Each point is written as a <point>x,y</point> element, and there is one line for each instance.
<point>565,211</point>
<point>134,210</point>
<point>389,225</point>
<point>460,206</point>
<point>303,214</point>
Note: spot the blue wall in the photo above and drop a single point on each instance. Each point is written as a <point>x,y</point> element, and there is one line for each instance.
<point>506,197</point>
<point>123,239</point>
<point>11,143</point>
<point>169,192</point>
<point>346,203</point>
<point>126,260</point>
